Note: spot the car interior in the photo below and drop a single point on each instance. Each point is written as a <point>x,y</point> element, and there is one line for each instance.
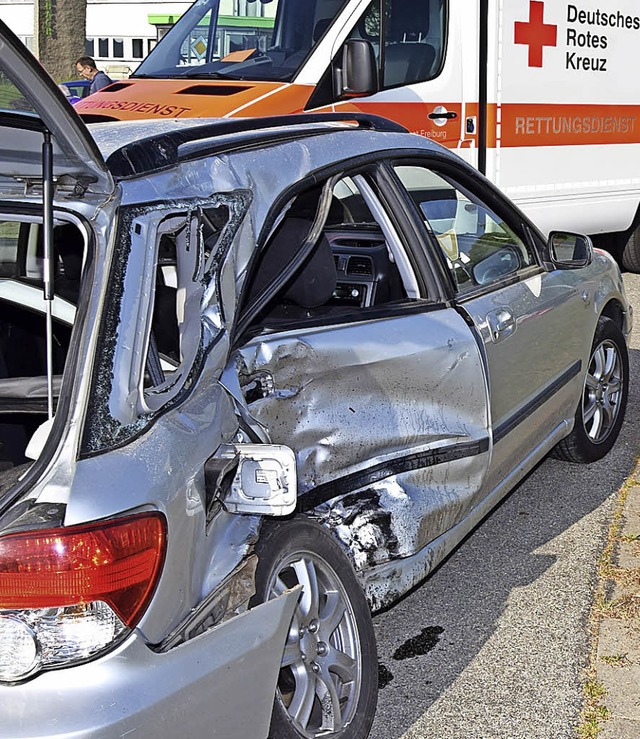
<point>351,266</point>
<point>23,351</point>
<point>358,262</point>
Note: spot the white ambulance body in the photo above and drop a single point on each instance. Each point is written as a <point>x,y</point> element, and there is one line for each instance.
<point>538,94</point>
<point>567,138</point>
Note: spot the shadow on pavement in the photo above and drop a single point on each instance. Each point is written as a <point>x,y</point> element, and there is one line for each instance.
<point>429,639</point>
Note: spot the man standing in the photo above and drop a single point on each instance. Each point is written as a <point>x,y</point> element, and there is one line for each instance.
<point>86,67</point>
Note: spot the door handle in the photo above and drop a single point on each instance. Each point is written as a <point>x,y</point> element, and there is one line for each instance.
<point>501,324</point>
<point>446,115</point>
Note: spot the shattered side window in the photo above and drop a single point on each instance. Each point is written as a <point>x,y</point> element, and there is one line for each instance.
<point>334,252</point>
<point>169,274</point>
<point>181,309</point>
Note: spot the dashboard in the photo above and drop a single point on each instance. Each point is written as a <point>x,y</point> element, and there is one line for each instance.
<point>366,273</point>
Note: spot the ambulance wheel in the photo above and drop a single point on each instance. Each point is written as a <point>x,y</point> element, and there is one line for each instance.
<point>328,681</point>
<point>601,409</point>
<point>631,252</point>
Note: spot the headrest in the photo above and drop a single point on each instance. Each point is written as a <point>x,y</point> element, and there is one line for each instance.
<point>315,280</point>
<point>320,27</point>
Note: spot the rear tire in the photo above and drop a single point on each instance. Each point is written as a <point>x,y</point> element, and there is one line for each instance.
<point>602,406</point>
<point>328,682</point>
<point>631,252</point>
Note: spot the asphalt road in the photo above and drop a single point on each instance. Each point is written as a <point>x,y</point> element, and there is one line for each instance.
<point>493,644</point>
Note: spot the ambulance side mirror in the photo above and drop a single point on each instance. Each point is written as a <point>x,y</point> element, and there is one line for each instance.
<point>569,250</point>
<point>356,74</point>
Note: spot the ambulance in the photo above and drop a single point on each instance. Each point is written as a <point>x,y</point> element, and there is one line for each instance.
<point>539,95</point>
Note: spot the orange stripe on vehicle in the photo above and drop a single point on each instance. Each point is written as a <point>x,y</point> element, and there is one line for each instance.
<point>181,98</point>
<point>535,124</point>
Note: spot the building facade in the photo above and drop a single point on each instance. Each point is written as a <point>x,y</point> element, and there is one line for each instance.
<point>120,33</point>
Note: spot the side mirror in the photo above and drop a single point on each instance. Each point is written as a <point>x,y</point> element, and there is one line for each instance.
<point>253,478</point>
<point>569,250</point>
<point>357,74</point>
<point>505,261</point>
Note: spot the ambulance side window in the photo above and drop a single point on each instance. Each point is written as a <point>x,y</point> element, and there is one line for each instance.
<point>479,246</point>
<point>408,38</point>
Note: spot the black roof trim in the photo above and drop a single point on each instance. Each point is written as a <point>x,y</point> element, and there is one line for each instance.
<point>158,152</point>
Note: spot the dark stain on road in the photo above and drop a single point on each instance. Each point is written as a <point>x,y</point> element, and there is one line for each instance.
<point>385,676</point>
<point>419,645</point>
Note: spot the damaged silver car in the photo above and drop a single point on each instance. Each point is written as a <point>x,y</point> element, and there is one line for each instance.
<point>257,379</point>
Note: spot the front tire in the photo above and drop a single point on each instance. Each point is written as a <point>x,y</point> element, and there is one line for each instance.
<point>601,410</point>
<point>328,678</point>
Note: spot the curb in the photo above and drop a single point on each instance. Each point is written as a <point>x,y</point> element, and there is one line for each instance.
<point>612,690</point>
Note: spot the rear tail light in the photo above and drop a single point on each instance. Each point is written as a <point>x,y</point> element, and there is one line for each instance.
<point>68,593</point>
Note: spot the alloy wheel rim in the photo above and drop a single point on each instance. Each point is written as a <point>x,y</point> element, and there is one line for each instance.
<point>320,674</point>
<point>602,391</point>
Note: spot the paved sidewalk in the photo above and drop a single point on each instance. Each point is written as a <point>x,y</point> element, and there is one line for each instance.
<point>614,712</point>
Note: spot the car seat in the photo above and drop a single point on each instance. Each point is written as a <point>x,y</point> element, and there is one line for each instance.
<point>405,63</point>
<point>314,282</point>
<point>68,245</point>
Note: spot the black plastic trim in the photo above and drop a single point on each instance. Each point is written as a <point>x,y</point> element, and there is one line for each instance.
<point>483,57</point>
<point>24,121</point>
<point>158,152</point>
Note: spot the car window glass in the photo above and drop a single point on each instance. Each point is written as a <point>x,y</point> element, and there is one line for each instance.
<point>11,98</point>
<point>478,244</point>
<point>241,40</point>
<point>9,234</point>
<point>407,37</point>
<point>23,308</point>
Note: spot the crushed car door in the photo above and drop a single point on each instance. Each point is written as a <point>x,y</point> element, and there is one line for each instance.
<point>379,390</point>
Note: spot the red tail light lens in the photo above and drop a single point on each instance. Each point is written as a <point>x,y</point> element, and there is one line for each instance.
<point>116,561</point>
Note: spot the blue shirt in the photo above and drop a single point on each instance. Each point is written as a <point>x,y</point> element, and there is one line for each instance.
<point>98,82</point>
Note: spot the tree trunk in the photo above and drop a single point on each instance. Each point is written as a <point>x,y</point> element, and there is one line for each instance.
<point>60,30</point>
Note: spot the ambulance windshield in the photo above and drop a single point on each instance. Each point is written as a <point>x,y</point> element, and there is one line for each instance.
<point>241,39</point>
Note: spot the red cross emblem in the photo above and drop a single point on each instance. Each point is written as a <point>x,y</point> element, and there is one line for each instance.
<point>535,33</point>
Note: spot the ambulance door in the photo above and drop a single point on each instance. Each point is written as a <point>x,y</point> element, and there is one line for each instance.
<point>426,52</point>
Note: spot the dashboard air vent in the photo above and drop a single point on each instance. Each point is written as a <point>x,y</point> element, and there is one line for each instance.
<point>360,266</point>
